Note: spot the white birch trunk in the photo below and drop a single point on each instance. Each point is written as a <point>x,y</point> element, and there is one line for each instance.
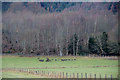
<point>73,47</point>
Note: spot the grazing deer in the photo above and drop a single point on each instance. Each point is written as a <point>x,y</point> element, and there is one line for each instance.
<point>41,60</point>
<point>48,60</point>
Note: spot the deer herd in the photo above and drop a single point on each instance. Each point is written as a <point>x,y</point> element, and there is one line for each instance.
<point>49,60</point>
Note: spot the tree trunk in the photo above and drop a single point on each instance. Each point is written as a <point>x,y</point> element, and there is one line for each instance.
<point>24,48</point>
<point>95,27</point>
<point>56,46</point>
<point>73,47</point>
<point>77,47</point>
<point>60,51</point>
<point>67,48</point>
<point>100,46</point>
<point>67,42</point>
<point>43,39</point>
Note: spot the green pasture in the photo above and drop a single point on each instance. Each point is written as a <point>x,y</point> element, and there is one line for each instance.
<point>81,65</point>
<point>17,75</point>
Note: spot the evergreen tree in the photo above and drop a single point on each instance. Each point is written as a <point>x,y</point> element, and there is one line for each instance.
<point>113,48</point>
<point>104,41</point>
<point>93,46</point>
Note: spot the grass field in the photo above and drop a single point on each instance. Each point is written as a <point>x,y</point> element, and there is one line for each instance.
<point>10,74</point>
<point>80,65</point>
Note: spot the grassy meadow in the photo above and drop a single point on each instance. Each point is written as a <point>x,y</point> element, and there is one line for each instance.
<point>83,65</point>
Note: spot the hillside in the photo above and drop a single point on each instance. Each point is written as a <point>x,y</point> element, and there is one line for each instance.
<point>58,6</point>
<point>60,28</point>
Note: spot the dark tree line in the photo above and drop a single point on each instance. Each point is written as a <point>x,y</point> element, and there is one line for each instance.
<point>96,46</point>
<point>104,47</point>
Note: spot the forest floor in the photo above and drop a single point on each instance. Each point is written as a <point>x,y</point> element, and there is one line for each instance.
<point>89,65</point>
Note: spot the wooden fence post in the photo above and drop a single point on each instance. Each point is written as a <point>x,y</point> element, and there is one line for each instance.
<point>60,74</point>
<point>55,74</point>
<point>38,72</point>
<point>90,75</point>
<point>105,77</point>
<point>63,74</point>
<point>35,72</point>
<point>86,75</point>
<point>95,76</point>
<point>66,74</point>
<point>28,70</point>
<point>77,75</point>
<point>111,77</point>
<point>73,75</point>
<point>81,75</point>
<point>100,76</point>
<point>118,76</point>
<point>70,75</point>
<point>42,72</point>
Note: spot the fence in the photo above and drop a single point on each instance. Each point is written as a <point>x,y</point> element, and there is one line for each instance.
<point>53,74</point>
